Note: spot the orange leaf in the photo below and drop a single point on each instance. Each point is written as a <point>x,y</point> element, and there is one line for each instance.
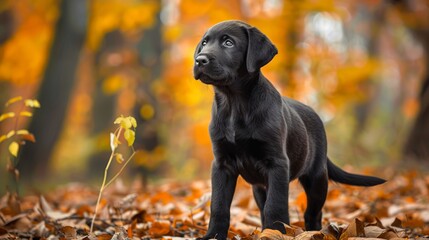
<point>29,137</point>
<point>301,201</point>
<point>104,236</point>
<point>159,228</point>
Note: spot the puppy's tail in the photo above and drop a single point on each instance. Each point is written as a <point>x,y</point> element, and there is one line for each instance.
<point>338,175</point>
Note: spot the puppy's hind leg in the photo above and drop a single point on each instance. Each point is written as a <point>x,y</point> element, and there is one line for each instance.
<point>316,188</point>
<point>260,195</point>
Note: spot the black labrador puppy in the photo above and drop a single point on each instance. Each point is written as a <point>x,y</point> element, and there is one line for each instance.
<point>267,139</point>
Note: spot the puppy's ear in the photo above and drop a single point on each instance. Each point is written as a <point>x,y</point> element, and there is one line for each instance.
<point>260,50</point>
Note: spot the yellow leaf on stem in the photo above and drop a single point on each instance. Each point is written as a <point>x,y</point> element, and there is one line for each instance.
<point>14,148</point>
<point>13,100</point>
<point>126,122</point>
<point>130,136</point>
<point>33,103</point>
<point>26,114</point>
<point>10,134</point>
<point>22,132</point>
<point>7,115</point>
<point>2,138</point>
<point>119,158</point>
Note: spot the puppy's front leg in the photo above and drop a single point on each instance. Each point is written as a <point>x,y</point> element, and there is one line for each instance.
<point>276,207</point>
<point>223,186</point>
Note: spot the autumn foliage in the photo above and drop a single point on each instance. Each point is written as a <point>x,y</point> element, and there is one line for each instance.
<point>398,209</point>
<point>359,64</point>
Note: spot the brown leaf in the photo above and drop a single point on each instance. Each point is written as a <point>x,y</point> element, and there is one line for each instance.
<point>3,231</point>
<point>40,229</point>
<point>397,223</point>
<point>314,235</point>
<point>389,234</point>
<point>139,216</point>
<point>373,231</point>
<point>271,234</point>
<point>363,238</point>
<point>292,231</point>
<point>331,231</point>
<point>355,229</point>
<point>23,224</point>
<point>10,222</point>
<point>69,232</point>
<point>13,205</point>
<point>47,209</point>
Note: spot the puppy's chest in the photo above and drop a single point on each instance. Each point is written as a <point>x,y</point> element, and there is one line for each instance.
<point>237,128</point>
<point>236,146</point>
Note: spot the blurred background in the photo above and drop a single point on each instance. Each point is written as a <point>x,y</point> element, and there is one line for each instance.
<point>362,65</point>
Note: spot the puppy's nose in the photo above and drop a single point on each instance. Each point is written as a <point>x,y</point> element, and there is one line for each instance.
<point>202,60</point>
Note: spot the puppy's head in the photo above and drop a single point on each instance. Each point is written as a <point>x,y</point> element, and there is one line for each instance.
<point>230,50</point>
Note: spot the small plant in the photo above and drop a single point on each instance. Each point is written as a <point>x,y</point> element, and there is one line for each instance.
<point>17,137</point>
<point>127,126</point>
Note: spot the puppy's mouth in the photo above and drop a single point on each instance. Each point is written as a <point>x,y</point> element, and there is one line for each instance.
<point>208,77</point>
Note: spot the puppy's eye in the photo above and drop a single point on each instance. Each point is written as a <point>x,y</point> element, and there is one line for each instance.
<point>204,42</point>
<point>228,43</point>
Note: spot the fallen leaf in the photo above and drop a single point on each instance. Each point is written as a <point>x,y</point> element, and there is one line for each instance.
<point>69,232</point>
<point>159,228</point>
<point>355,229</point>
<point>270,234</point>
<point>373,231</point>
<point>3,231</point>
<point>314,235</point>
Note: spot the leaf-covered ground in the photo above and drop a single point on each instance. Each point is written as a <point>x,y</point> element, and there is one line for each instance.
<point>397,209</point>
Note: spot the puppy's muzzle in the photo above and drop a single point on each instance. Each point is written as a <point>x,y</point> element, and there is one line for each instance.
<point>202,60</point>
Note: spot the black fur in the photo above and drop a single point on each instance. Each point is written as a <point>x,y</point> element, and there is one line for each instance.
<point>267,139</point>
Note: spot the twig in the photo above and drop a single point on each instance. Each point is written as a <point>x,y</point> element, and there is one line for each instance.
<point>101,189</point>
<point>120,171</point>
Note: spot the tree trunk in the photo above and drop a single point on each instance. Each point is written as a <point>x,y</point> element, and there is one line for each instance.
<point>104,106</point>
<point>417,145</point>
<point>147,134</point>
<point>56,88</point>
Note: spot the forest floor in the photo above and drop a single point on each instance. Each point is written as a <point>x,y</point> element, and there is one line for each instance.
<point>396,209</point>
